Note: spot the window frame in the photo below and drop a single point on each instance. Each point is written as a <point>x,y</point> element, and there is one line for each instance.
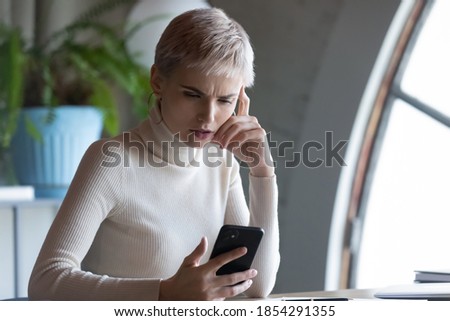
<point>375,127</point>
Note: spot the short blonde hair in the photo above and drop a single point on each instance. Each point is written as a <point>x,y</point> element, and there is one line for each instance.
<point>206,39</point>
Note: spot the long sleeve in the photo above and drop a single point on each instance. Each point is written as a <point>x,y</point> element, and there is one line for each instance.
<point>262,212</point>
<point>57,275</point>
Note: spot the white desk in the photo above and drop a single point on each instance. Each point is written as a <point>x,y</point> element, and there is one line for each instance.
<point>344,293</point>
<point>23,227</point>
<point>417,291</point>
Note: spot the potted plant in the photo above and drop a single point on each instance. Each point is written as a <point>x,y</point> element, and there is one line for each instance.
<point>45,85</point>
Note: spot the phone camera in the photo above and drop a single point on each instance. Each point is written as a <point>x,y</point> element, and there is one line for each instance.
<point>232,235</point>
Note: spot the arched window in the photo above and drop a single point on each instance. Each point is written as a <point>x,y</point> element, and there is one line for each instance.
<point>398,210</point>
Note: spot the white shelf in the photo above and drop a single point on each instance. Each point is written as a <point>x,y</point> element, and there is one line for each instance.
<point>23,228</point>
<point>16,193</point>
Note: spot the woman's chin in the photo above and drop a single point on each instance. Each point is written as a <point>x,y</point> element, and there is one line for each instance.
<point>198,143</point>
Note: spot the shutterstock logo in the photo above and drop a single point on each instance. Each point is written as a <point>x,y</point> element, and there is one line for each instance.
<point>312,154</point>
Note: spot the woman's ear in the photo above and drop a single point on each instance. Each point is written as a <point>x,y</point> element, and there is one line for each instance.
<point>156,81</point>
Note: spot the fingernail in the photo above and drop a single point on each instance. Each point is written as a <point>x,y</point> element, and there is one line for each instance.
<point>249,282</point>
<point>254,272</point>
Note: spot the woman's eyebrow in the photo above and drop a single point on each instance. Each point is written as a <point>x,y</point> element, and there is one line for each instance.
<point>199,92</point>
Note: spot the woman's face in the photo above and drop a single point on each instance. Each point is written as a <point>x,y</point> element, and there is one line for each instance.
<point>193,104</point>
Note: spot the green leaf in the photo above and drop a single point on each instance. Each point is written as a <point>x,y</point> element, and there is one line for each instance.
<point>32,129</point>
<point>47,92</point>
<point>11,80</point>
<point>103,98</point>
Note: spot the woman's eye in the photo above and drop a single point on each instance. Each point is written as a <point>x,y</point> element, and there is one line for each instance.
<point>191,94</point>
<point>225,101</point>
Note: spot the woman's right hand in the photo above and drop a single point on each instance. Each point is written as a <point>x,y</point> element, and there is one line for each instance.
<point>200,282</point>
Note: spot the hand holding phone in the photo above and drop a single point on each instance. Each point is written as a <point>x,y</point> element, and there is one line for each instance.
<point>234,236</point>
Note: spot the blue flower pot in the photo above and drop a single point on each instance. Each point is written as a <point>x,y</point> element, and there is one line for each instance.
<point>49,164</point>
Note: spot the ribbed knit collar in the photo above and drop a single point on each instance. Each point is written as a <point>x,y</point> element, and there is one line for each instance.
<point>164,144</point>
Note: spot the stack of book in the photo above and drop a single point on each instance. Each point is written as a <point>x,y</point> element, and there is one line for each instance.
<point>432,284</point>
<point>429,276</point>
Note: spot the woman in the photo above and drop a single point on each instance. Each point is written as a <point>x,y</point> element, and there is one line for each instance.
<point>142,206</point>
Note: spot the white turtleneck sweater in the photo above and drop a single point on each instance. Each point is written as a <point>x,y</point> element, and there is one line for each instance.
<point>136,209</point>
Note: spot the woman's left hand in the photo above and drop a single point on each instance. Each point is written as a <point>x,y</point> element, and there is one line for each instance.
<point>246,139</point>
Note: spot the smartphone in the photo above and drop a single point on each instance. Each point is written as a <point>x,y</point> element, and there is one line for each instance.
<point>234,236</point>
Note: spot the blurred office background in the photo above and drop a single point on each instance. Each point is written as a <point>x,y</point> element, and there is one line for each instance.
<point>314,61</point>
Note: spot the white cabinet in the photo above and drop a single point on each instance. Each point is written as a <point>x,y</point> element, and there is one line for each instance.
<point>7,276</point>
<point>23,227</point>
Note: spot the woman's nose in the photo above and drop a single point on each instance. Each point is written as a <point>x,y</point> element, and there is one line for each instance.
<point>206,113</point>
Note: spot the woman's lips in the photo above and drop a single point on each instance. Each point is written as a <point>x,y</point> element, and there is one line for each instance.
<point>203,134</point>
